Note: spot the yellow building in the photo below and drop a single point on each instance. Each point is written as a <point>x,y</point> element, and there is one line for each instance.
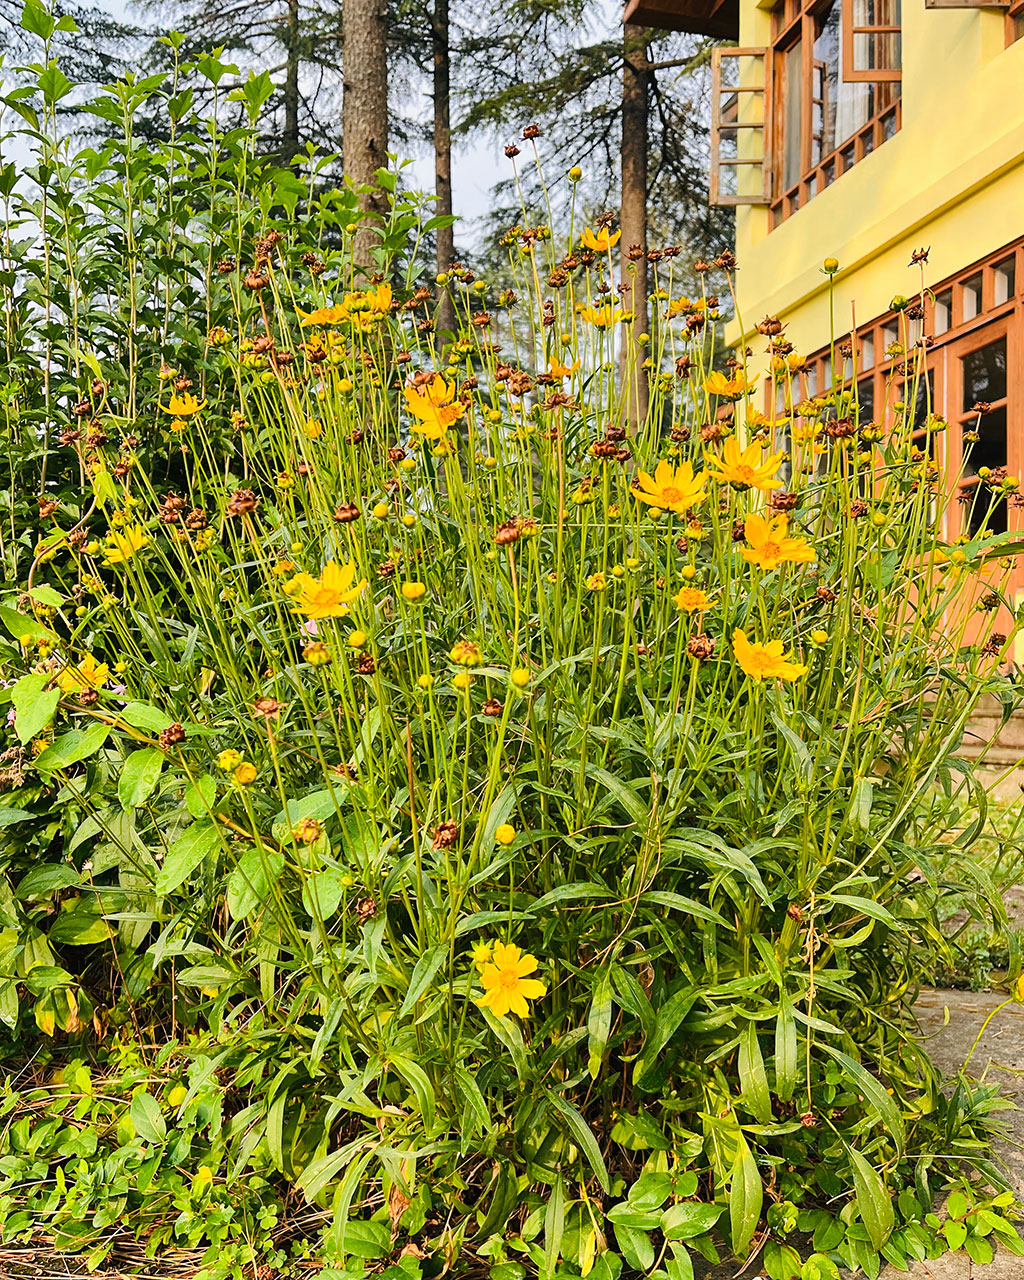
<point>853,130</point>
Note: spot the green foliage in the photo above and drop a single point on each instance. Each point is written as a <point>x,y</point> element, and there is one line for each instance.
<point>366,753</point>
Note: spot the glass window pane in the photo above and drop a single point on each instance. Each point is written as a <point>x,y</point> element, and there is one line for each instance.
<point>866,400</point>
<point>867,351</point>
<point>792,166</point>
<point>943,314</point>
<point>970,297</point>
<point>1003,277</point>
<point>984,374</point>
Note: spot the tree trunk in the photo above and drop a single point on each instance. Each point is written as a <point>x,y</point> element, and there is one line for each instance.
<point>290,138</point>
<point>364,110</point>
<point>443,154</point>
<point>636,83</point>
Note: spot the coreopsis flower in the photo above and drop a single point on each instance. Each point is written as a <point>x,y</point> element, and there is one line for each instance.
<point>602,317</point>
<point>481,955</point>
<point>765,661</point>
<point>671,488</point>
<point>88,674</point>
<point>329,595</point>
<point>771,545</point>
<point>465,653</point>
<point>692,600</point>
<point>245,773</point>
<point>557,370</point>
<point>229,760</point>
<point>745,468</point>
<point>434,406</point>
<point>505,834</point>
<point>380,298</point>
<point>413,591</point>
<point>183,406</point>
<point>122,545</point>
<point>717,384</point>
<point>600,241</point>
<point>507,986</point>
<point>324,316</point>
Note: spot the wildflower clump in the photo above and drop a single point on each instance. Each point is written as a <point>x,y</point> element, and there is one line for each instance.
<point>519,809</point>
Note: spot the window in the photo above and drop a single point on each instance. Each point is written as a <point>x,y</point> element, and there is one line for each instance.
<point>942,314</point>
<point>970,297</point>
<point>836,70</point>
<point>972,377</point>
<point>1015,22</point>
<point>740,94</point>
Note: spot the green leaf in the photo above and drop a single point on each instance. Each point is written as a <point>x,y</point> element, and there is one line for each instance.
<point>753,1077</point>
<point>423,974</point>
<point>46,595</point>
<point>185,854</point>
<point>511,1037</point>
<point>140,715</point>
<point>34,704</point>
<point>599,1021</point>
<point>36,20</point>
<point>585,1139</point>
<point>251,882</point>
<point>322,892</point>
<point>21,626</point>
<point>200,795</point>
<point>139,776</point>
<point>669,1016</point>
<point>746,1195</point>
<point>72,747</point>
<point>418,1080</point>
<point>147,1118</point>
<point>785,1050</point>
<point>875,1093</point>
<point>687,1220</point>
<point>955,1233</point>
<point>554,1225</point>
<point>873,1201</point>
<point>79,927</point>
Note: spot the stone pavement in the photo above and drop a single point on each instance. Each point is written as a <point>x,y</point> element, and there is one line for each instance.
<point>998,1056</point>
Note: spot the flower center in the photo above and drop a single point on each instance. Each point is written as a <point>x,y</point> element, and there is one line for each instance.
<point>671,494</point>
<point>770,550</point>
<point>508,979</point>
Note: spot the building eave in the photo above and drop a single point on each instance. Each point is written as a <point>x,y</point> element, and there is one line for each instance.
<point>718,18</point>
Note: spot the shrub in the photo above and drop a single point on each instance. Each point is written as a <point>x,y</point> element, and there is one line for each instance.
<point>526,827</point>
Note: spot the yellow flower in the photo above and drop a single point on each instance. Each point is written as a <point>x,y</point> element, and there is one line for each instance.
<point>324,316</point>
<point>603,316</point>
<point>717,384</point>
<point>671,488</point>
<point>466,654</point>
<point>413,591</point>
<point>770,544</point>
<point>434,406</point>
<point>765,661</point>
<point>505,834</point>
<point>329,595</point>
<point>183,406</point>
<point>596,582</point>
<point>481,955</point>
<point>245,773</point>
<point>89,674</point>
<point>601,240</point>
<point>317,654</point>
<point>556,370</point>
<point>692,599</point>
<point>379,298</point>
<point>746,468</point>
<point>229,760</point>
<point>506,984</point>
<point>122,546</point>
<point>520,677</point>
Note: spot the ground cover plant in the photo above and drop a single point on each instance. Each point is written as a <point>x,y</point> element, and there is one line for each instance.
<point>508,823</point>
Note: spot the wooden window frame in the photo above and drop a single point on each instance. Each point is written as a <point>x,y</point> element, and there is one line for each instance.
<point>944,361</point>
<point>796,20</point>
<point>1014,22</point>
<point>867,75</point>
<point>720,125</point>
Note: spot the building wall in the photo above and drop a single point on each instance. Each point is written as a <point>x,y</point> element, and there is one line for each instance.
<point>952,178</point>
